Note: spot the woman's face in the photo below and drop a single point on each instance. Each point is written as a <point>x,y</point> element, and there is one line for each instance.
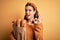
<point>29,12</point>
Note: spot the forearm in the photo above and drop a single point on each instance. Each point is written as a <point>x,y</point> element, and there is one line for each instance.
<point>39,31</point>
<point>12,37</point>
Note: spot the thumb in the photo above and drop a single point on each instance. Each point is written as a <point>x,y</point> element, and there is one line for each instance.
<point>23,23</point>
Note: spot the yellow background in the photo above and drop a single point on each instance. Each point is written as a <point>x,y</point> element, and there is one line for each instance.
<point>48,9</point>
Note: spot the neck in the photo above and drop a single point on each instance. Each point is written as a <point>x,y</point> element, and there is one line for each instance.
<point>30,20</point>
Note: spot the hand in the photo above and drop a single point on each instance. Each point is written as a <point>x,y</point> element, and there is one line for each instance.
<point>19,22</point>
<point>37,20</point>
<point>23,23</point>
<point>14,22</point>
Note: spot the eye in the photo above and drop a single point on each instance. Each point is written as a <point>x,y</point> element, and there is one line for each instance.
<point>30,10</point>
<point>25,10</point>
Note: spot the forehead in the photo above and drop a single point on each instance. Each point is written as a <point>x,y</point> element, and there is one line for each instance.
<point>28,7</point>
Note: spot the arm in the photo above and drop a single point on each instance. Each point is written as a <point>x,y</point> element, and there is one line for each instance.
<point>12,37</point>
<point>17,28</point>
<point>15,25</point>
<point>38,28</point>
<point>39,31</point>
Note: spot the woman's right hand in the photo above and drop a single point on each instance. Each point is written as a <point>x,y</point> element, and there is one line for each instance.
<point>19,22</point>
<point>16,23</point>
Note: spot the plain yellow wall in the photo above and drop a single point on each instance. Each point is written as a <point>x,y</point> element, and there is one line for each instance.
<point>48,9</point>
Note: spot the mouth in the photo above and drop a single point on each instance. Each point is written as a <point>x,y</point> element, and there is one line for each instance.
<point>28,15</point>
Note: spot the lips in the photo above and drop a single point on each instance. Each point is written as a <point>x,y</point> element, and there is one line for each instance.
<point>28,15</point>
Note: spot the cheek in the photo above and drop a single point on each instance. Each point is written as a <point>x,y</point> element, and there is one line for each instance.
<point>31,13</point>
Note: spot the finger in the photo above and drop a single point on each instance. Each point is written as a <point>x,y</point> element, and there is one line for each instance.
<point>18,22</point>
<point>23,23</point>
<point>40,19</point>
<point>36,21</point>
<point>14,21</point>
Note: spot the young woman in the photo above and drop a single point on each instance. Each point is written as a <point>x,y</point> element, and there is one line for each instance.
<point>31,24</point>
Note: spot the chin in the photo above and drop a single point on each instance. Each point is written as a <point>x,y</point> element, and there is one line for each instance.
<point>28,17</point>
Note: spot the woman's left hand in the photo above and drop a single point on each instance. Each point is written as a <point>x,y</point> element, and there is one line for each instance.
<point>37,20</point>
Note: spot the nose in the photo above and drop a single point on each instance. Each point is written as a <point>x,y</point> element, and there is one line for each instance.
<point>27,12</point>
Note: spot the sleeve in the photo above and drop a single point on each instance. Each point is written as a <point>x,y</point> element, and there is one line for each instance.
<point>14,32</point>
<point>38,31</point>
<point>12,36</point>
<point>18,31</point>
